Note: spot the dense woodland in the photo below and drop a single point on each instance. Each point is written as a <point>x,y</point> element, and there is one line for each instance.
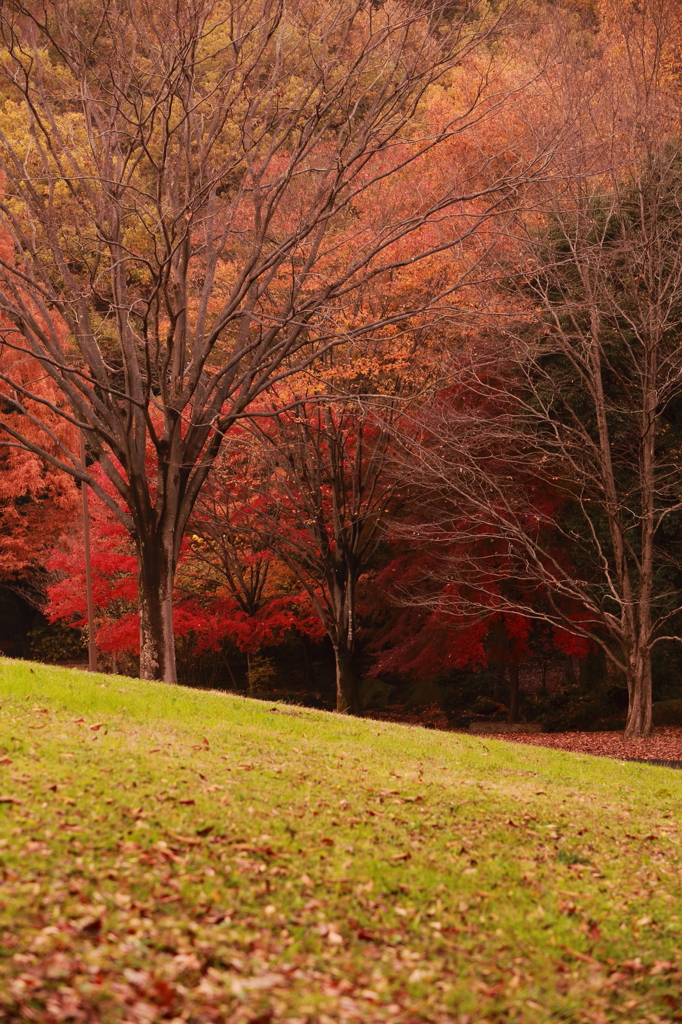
<point>369,315</point>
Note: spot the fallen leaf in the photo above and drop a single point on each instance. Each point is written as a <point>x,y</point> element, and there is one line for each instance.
<point>582,956</point>
<point>187,840</point>
<point>90,925</point>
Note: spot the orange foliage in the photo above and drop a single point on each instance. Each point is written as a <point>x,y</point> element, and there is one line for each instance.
<point>38,503</point>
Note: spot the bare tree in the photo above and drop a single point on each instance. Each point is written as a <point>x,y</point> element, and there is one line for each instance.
<point>559,452</point>
<point>559,460</point>
<point>180,219</point>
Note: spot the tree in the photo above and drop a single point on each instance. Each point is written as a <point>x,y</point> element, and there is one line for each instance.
<point>445,585</point>
<point>323,507</point>
<point>196,192</point>
<point>224,590</point>
<point>567,464</point>
<point>560,446</point>
<point>247,591</point>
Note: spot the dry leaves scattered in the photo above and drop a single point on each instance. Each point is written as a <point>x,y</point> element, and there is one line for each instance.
<point>665,744</point>
<point>307,869</point>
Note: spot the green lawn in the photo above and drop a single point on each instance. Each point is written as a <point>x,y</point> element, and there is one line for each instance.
<point>171,854</point>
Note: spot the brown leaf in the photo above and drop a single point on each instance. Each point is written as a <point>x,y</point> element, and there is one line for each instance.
<point>249,848</point>
<point>162,993</point>
<point>661,966</point>
<point>10,800</point>
<point>187,840</point>
<point>582,956</point>
<point>91,925</point>
<point>6,760</point>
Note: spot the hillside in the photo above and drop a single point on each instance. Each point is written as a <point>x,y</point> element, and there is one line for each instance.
<point>173,854</point>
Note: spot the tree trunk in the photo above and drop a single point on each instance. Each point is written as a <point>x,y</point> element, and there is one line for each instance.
<point>347,688</point>
<point>639,695</point>
<point>513,694</point>
<point>249,676</point>
<point>157,639</point>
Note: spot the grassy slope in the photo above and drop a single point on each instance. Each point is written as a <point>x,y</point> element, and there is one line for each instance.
<point>354,870</point>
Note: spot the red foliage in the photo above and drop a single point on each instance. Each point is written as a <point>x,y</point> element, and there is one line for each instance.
<point>207,618</point>
<point>38,503</point>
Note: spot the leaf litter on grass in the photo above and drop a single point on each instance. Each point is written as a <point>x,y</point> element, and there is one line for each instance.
<point>344,877</point>
<point>664,744</point>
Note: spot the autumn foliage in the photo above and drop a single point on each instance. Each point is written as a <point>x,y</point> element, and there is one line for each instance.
<point>381,362</point>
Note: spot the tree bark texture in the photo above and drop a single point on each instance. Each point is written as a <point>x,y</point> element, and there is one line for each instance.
<point>347,683</point>
<point>156,572</point>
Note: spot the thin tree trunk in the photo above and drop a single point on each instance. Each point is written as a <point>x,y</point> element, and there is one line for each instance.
<point>639,694</point>
<point>249,676</point>
<point>347,688</point>
<point>639,663</point>
<point>157,638</point>
<point>231,674</point>
<point>513,694</point>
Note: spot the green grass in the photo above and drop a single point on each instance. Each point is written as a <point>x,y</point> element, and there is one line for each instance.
<point>201,857</point>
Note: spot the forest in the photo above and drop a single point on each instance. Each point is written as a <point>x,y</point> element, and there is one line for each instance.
<point>354,328</point>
